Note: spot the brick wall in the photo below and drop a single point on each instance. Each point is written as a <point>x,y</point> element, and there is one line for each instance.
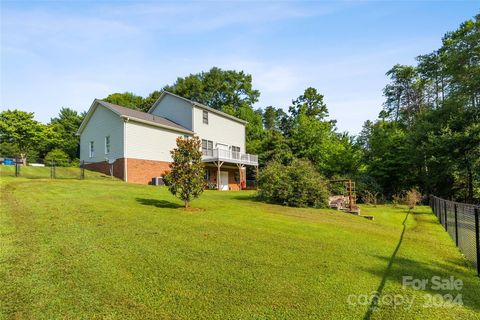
<point>142,171</point>
<point>104,167</point>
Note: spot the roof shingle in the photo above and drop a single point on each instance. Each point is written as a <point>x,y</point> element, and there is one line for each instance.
<point>127,112</point>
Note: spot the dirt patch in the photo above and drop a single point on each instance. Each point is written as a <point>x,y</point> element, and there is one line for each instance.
<point>190,209</point>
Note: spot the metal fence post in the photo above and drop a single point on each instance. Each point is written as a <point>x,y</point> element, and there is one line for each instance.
<point>17,168</point>
<point>445,209</point>
<point>51,169</point>
<point>456,224</point>
<point>82,170</point>
<point>477,240</point>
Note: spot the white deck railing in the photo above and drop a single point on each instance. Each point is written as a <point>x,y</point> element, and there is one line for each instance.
<point>229,156</point>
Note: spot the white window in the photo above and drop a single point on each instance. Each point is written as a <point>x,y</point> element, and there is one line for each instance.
<point>205,117</point>
<point>207,147</point>
<point>235,152</point>
<point>91,150</point>
<point>107,144</point>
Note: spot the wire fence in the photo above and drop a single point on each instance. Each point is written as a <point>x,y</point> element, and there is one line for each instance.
<point>461,221</point>
<point>47,169</point>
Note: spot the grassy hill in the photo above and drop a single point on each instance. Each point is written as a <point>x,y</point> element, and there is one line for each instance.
<point>31,172</point>
<point>106,249</point>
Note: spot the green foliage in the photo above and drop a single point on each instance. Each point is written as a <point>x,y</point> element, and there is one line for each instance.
<point>428,136</point>
<point>21,130</point>
<point>297,184</point>
<point>58,157</point>
<point>275,147</point>
<point>310,104</point>
<point>126,99</point>
<point>217,88</point>
<point>66,125</point>
<point>272,118</point>
<point>148,102</point>
<point>186,178</point>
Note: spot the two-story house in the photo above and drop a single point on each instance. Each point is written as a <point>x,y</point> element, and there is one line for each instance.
<point>135,146</point>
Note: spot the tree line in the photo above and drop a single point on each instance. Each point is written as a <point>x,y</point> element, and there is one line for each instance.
<point>427,135</point>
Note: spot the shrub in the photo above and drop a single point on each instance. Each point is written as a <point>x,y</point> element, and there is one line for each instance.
<point>397,199</point>
<point>369,197</point>
<point>297,184</point>
<point>413,197</point>
<point>59,156</point>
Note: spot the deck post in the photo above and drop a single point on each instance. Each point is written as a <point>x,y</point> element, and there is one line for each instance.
<point>240,168</point>
<point>219,165</point>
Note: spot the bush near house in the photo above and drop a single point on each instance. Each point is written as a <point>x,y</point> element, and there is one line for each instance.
<point>297,184</point>
<point>60,158</point>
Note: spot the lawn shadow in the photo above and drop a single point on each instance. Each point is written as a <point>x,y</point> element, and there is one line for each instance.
<point>159,203</point>
<point>246,196</point>
<point>374,303</point>
<point>470,290</point>
<point>398,267</point>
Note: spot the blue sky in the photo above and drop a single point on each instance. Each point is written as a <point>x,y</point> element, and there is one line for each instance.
<point>66,53</point>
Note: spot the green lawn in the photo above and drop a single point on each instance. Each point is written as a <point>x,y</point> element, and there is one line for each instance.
<point>74,249</point>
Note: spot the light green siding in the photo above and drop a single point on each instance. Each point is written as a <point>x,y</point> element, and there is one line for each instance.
<point>148,142</point>
<point>176,110</point>
<point>102,123</point>
<point>219,129</point>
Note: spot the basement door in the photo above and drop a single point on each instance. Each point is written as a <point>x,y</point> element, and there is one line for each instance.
<point>224,180</point>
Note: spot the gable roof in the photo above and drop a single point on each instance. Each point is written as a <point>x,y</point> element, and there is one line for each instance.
<point>196,104</point>
<point>133,115</point>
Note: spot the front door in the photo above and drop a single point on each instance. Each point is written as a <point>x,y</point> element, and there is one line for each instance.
<point>224,180</point>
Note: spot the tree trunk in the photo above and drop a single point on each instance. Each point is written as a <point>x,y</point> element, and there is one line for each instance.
<point>186,204</point>
<point>23,157</point>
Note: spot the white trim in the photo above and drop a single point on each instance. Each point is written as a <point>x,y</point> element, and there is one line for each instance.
<point>125,164</point>
<point>96,103</point>
<point>107,145</point>
<point>91,149</point>
<point>157,125</point>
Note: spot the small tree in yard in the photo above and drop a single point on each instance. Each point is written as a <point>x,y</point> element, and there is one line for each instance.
<point>186,178</point>
<point>412,198</point>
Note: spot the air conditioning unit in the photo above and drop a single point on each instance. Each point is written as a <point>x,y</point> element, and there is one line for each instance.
<point>158,181</point>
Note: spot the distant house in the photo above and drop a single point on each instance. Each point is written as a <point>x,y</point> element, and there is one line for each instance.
<point>136,145</point>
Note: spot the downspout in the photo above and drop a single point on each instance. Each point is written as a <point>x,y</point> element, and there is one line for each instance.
<point>125,164</point>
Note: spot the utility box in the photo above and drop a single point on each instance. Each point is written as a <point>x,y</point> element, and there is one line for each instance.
<point>158,181</point>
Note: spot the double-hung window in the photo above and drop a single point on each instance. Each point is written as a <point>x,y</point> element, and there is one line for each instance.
<point>207,147</point>
<point>107,144</point>
<point>91,150</point>
<point>205,117</point>
<point>235,152</point>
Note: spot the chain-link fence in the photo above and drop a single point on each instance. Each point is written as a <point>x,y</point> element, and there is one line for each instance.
<point>47,169</point>
<point>462,222</point>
